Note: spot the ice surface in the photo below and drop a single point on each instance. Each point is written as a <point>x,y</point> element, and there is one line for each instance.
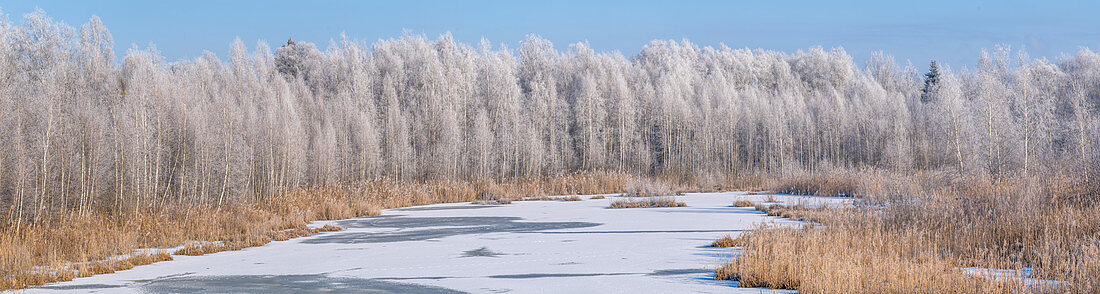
<point>523,247</point>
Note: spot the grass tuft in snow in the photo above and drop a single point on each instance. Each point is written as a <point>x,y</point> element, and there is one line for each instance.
<point>552,198</point>
<point>727,241</point>
<point>743,203</point>
<point>481,252</point>
<point>642,202</point>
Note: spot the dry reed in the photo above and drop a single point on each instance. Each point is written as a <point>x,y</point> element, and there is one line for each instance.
<point>819,184</point>
<point>48,251</point>
<point>915,234</point>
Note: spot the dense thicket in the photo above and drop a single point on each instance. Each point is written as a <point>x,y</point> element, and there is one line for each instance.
<point>83,131</point>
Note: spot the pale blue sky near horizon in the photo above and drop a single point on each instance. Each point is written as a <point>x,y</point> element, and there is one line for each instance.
<point>952,32</point>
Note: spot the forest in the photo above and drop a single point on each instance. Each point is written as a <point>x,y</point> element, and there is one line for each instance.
<point>85,133</point>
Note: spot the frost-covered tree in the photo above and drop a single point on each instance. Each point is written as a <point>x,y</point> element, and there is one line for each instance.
<point>86,132</point>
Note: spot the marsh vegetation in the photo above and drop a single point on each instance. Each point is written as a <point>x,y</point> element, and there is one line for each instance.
<point>991,166</point>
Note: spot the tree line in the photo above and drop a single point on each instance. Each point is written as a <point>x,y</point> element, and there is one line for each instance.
<point>84,131</point>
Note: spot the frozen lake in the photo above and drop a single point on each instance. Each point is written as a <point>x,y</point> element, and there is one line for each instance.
<point>523,247</point>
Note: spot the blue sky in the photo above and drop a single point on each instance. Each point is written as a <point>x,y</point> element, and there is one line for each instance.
<point>953,32</point>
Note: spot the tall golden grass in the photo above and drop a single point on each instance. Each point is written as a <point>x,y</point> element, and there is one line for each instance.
<point>640,188</point>
<point>65,244</point>
<point>916,233</point>
<point>819,184</point>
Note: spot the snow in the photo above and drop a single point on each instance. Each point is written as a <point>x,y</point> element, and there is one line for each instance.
<point>1021,275</point>
<point>523,247</point>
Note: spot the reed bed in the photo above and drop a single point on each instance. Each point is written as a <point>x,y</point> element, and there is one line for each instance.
<point>916,234</point>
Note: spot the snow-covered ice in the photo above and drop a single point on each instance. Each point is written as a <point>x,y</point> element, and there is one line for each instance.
<point>523,247</point>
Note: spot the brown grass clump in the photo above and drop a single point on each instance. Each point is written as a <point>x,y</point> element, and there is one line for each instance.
<point>597,197</point>
<point>552,198</point>
<point>326,228</point>
<point>35,253</point>
<point>723,242</point>
<point>642,202</point>
<point>743,203</point>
